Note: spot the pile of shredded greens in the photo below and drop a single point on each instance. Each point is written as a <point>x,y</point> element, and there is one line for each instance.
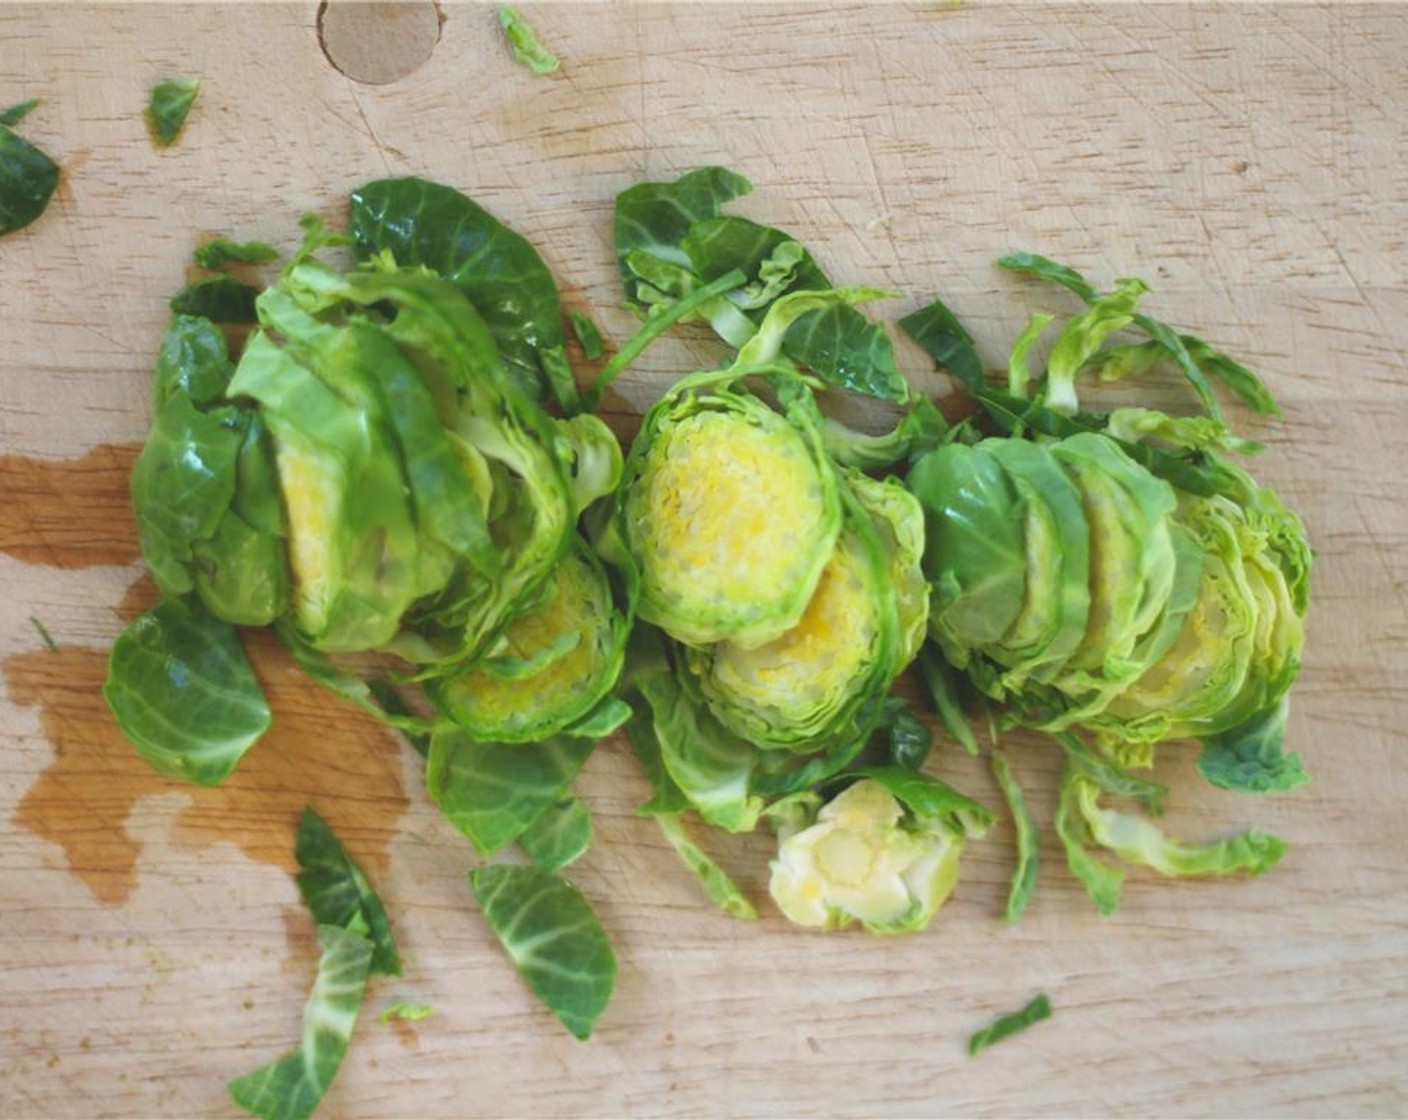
<point>398,459</point>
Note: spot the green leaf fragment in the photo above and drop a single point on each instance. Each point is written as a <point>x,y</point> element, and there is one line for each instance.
<point>222,299</point>
<point>171,101</point>
<point>1028,845</point>
<point>526,46</point>
<point>183,692</point>
<point>721,889</point>
<point>1249,758</point>
<point>221,251</point>
<point>937,330</point>
<point>588,337</point>
<point>16,113</point>
<point>27,181</point>
<point>560,834</point>
<point>1008,1025</point>
<point>553,938</point>
<point>292,1087</point>
<point>411,1012</point>
<point>339,894</point>
<point>44,635</point>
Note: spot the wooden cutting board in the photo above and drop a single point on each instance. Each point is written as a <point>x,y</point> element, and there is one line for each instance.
<point>1249,161</point>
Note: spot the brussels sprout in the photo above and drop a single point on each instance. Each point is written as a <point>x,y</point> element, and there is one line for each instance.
<point>551,667</point>
<point>731,513</point>
<point>863,857</point>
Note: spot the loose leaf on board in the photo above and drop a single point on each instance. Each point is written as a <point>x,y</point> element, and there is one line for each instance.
<point>183,692</point>
<point>220,251</point>
<point>339,894</point>
<point>1008,1025</point>
<point>1028,843</point>
<point>292,1087</point>
<point>561,834</point>
<point>524,42</point>
<point>27,181</point>
<point>222,299</point>
<point>170,104</point>
<point>553,938</point>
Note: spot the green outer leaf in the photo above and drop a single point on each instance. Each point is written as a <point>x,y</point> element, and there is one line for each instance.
<point>171,101</point>
<point>666,796</point>
<point>942,681</point>
<point>588,337</point>
<point>941,335</point>
<point>17,112</point>
<point>292,1087</point>
<point>385,694</point>
<point>492,792</point>
<point>1101,881</point>
<point>844,349</point>
<point>221,298</point>
<point>424,223</point>
<point>194,359</point>
<point>931,799</point>
<point>27,181</point>
<point>339,894</point>
<point>722,890</point>
<point>909,739</point>
<point>1028,844</point>
<point>555,941</point>
<point>182,691</point>
<point>560,834</point>
<point>1007,1025</point>
<point>1249,758</point>
<point>408,1011</point>
<point>220,251</point>
<point>527,49</point>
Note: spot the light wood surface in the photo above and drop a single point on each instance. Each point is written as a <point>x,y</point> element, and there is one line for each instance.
<point>1250,161</point>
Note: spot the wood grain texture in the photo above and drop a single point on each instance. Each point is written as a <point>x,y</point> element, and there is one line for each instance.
<point>1252,161</point>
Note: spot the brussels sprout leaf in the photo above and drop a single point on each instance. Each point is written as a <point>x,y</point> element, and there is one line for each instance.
<point>221,298</point>
<point>1028,845</point>
<point>492,792</point>
<point>338,893</point>
<point>944,339</point>
<point>184,694</point>
<point>292,1087</point>
<point>1101,881</point>
<point>721,889</point>
<point>588,337</point>
<point>559,835</point>
<point>930,798</point>
<point>16,113</point>
<point>27,181</point>
<point>555,941</point>
<point>1007,1025</point>
<point>171,101</point>
<point>407,1011</point>
<point>1250,757</point>
<point>526,46</point>
<point>221,251</point>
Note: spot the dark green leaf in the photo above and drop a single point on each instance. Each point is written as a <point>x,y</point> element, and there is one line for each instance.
<point>524,42</point>
<point>1250,757</point>
<point>221,251</point>
<point>221,298</point>
<point>1237,377</point>
<point>1028,845</point>
<point>942,683</point>
<point>1008,1025</point>
<point>844,349</point>
<point>424,223</point>
<point>292,1087</point>
<point>909,738</point>
<point>27,181</point>
<point>943,338</point>
<point>339,894</point>
<point>560,834</point>
<point>588,337</point>
<point>493,791</point>
<point>385,694</point>
<point>171,102</point>
<point>1033,265</point>
<point>44,635</point>
<point>16,113</point>
<point>194,359</point>
<point>666,797</point>
<point>182,691</point>
<point>555,941</point>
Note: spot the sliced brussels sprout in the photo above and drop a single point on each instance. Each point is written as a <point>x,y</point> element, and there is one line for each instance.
<point>801,686</point>
<point>974,552</point>
<point>899,520</point>
<point>551,667</point>
<point>863,857</point>
<point>731,513</point>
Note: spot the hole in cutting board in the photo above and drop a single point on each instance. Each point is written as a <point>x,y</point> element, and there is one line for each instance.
<point>378,44</point>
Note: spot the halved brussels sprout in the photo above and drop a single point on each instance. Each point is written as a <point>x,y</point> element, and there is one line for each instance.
<point>551,667</point>
<point>863,857</point>
<point>731,513</point>
<point>899,520</point>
